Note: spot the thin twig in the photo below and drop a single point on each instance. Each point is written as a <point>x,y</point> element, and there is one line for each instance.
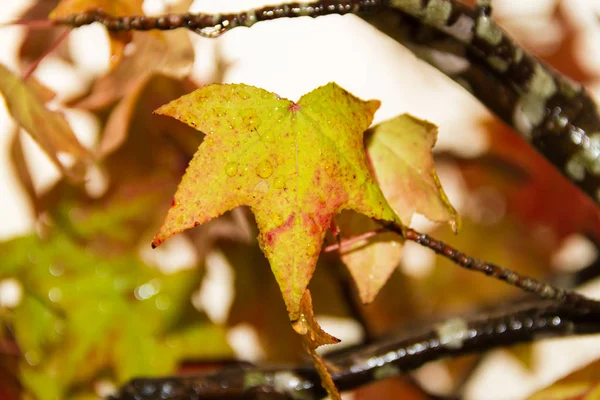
<point>31,69</point>
<point>546,291</point>
<point>214,25</point>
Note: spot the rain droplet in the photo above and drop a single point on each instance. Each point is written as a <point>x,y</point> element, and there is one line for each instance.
<point>264,169</point>
<point>279,159</point>
<point>56,269</point>
<point>300,325</point>
<point>231,168</point>
<point>278,219</point>
<point>209,141</point>
<point>33,357</point>
<point>311,249</point>
<point>55,294</point>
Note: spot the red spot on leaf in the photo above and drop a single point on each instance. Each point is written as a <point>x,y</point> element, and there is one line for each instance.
<point>295,107</point>
<point>271,236</point>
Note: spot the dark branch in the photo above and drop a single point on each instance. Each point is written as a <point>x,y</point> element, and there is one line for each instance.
<point>550,111</point>
<point>214,25</point>
<point>365,364</point>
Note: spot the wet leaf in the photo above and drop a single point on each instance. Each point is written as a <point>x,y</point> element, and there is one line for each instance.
<point>118,40</point>
<point>48,128</point>
<point>313,337</point>
<point>245,160</point>
<point>583,384</point>
<point>400,151</point>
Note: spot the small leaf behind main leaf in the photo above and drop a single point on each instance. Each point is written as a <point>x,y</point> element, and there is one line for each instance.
<point>400,153</point>
<point>400,150</point>
<point>295,164</point>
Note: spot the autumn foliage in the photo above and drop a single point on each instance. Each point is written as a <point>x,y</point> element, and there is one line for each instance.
<point>289,195</point>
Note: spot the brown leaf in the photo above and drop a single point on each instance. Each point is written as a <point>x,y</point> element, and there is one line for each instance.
<point>166,53</point>
<point>134,111</point>
<point>313,336</point>
<point>390,389</point>
<point>370,261</point>
<point>48,128</point>
<point>17,158</point>
<point>37,41</point>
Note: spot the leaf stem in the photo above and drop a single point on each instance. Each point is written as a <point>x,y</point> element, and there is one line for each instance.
<point>347,242</point>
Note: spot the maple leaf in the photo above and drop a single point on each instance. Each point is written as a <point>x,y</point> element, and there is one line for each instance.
<point>400,151</point>
<point>295,164</point>
<point>48,128</point>
<point>118,40</point>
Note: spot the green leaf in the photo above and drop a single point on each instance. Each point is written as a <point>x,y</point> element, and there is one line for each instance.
<point>295,164</point>
<point>84,316</point>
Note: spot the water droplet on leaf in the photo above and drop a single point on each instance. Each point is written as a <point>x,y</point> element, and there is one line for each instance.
<point>300,325</point>
<point>264,169</point>
<point>278,219</point>
<point>231,168</point>
<point>209,141</point>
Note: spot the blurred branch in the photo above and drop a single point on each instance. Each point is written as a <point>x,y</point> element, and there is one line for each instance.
<point>365,364</point>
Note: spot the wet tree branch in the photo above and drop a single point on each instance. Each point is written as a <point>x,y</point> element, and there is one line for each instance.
<point>361,365</point>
